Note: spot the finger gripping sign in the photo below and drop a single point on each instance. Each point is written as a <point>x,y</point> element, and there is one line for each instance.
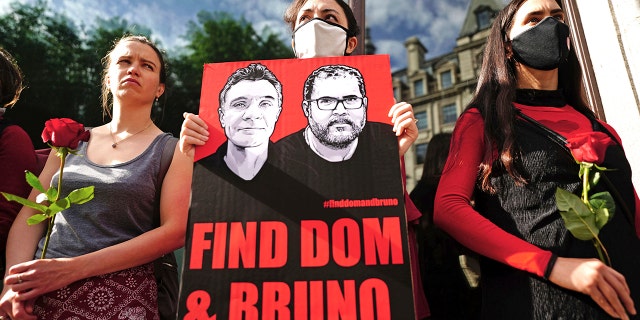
<point>297,200</point>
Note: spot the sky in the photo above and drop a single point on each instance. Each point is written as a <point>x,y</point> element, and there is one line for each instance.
<point>436,23</point>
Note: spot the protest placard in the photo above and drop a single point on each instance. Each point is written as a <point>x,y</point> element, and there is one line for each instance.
<point>297,199</point>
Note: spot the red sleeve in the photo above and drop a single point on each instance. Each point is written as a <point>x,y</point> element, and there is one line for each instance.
<point>412,212</point>
<point>453,211</point>
<point>16,156</point>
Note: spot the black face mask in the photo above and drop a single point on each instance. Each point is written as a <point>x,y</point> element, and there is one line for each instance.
<point>543,47</point>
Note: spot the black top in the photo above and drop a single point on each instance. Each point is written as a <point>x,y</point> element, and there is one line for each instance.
<point>365,175</point>
<point>530,212</point>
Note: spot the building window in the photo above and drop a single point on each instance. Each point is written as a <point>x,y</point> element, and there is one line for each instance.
<point>396,93</point>
<point>423,122</point>
<point>483,17</point>
<point>449,113</point>
<point>445,80</point>
<point>421,152</point>
<point>418,87</point>
<point>478,63</point>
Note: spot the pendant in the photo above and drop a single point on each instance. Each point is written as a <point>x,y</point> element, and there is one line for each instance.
<point>114,145</point>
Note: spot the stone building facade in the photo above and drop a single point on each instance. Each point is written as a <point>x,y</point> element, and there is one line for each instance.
<point>439,88</point>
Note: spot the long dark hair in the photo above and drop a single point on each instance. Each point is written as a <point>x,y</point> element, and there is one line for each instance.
<point>496,91</point>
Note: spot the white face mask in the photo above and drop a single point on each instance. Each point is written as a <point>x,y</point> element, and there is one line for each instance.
<point>319,38</point>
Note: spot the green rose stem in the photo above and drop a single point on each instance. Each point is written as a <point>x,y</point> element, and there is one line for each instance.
<point>602,251</point>
<point>54,204</point>
<point>62,152</point>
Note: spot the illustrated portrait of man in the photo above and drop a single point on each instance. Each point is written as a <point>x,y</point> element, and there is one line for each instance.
<point>335,104</point>
<point>249,106</point>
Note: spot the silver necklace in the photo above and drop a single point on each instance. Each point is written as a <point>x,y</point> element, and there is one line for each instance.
<point>113,137</point>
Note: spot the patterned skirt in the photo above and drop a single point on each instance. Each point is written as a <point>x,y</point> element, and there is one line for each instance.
<point>127,294</point>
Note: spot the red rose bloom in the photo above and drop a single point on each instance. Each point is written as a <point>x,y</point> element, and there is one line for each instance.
<point>64,132</point>
<point>589,146</point>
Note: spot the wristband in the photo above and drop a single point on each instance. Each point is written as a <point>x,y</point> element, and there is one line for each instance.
<point>552,262</point>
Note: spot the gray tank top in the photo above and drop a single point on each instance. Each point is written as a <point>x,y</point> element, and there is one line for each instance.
<point>123,204</point>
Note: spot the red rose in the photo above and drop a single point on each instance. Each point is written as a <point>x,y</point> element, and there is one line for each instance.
<point>589,146</point>
<point>64,132</point>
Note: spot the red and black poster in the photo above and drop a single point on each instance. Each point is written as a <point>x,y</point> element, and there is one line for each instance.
<point>297,205</point>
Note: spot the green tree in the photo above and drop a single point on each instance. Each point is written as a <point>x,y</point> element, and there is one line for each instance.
<point>215,37</point>
<point>62,70</point>
<point>63,67</point>
<point>218,37</point>
<point>46,47</point>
